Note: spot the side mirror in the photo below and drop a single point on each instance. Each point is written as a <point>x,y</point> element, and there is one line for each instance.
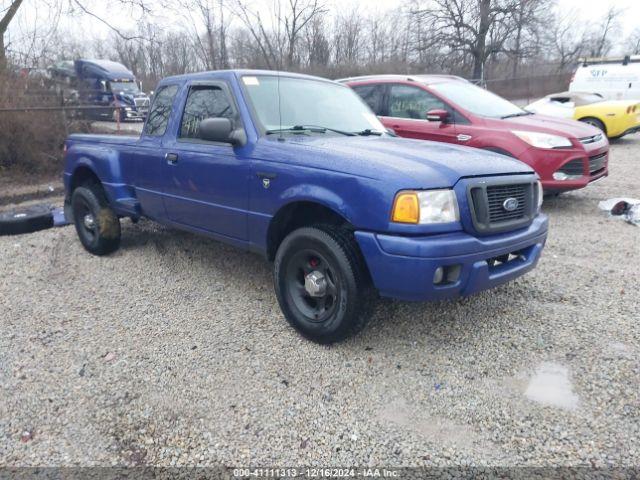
<point>217,130</point>
<point>438,115</point>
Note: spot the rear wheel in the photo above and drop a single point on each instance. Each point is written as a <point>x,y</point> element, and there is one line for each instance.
<point>322,284</point>
<point>596,123</point>
<point>97,225</point>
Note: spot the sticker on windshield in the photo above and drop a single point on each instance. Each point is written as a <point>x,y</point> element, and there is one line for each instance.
<point>251,81</point>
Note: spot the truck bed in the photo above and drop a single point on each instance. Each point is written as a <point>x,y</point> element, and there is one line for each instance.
<point>104,139</point>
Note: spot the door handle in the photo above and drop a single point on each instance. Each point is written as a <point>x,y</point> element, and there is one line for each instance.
<point>270,176</point>
<point>171,158</point>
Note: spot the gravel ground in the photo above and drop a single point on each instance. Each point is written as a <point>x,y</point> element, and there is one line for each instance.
<point>173,351</point>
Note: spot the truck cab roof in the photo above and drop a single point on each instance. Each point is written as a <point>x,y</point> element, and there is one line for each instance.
<point>227,74</point>
<point>103,69</point>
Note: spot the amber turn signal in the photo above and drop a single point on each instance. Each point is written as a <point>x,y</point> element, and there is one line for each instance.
<point>406,208</point>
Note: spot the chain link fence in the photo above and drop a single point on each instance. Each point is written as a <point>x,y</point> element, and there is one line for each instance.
<point>524,90</point>
<point>34,120</point>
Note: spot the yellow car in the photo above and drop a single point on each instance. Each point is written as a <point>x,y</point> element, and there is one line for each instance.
<point>615,118</point>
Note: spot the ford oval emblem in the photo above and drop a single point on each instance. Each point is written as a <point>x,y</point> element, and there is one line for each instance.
<point>510,204</point>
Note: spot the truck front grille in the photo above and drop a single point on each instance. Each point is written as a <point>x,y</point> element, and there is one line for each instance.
<point>141,102</point>
<point>497,195</point>
<point>499,206</point>
<point>597,163</point>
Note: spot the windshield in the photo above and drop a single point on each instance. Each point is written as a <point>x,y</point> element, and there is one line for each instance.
<point>477,100</point>
<point>309,103</point>
<point>127,87</point>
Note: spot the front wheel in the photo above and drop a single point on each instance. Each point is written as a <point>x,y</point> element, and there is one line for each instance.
<point>322,284</point>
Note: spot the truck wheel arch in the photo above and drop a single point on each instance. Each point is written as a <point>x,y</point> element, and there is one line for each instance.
<point>296,215</point>
<point>81,176</point>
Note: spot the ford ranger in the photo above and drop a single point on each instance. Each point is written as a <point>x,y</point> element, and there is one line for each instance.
<point>299,169</point>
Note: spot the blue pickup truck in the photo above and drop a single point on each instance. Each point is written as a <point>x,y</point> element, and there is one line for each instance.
<point>300,170</point>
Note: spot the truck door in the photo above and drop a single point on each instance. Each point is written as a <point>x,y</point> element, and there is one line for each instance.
<point>206,183</point>
<point>149,157</point>
<point>407,110</point>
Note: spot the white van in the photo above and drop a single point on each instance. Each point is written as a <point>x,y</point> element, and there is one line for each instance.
<point>613,79</point>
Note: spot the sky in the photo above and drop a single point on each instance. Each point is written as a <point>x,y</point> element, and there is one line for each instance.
<point>33,12</point>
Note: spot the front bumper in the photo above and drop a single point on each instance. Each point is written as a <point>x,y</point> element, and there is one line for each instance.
<point>404,267</point>
<point>547,162</point>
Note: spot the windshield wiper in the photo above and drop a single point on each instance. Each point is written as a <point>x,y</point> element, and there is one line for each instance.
<point>367,131</point>
<point>520,114</point>
<point>308,128</point>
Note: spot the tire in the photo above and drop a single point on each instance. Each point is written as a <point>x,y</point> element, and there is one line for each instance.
<point>332,256</point>
<point>26,220</point>
<point>596,123</point>
<point>97,225</point>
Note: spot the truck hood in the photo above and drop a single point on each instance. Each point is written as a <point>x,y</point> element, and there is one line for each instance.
<point>545,124</point>
<point>417,163</point>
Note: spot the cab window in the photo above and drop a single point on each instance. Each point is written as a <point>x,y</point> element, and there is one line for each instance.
<point>204,102</point>
<point>412,102</point>
<point>160,111</point>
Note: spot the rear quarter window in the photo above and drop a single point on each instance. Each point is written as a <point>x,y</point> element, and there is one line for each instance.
<point>160,111</point>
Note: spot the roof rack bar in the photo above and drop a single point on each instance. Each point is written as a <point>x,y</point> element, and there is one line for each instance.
<point>627,59</point>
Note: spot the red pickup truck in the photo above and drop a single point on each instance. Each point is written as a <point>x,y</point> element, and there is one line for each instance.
<point>566,154</point>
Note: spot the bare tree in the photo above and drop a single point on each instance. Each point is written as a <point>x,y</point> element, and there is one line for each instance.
<point>208,28</point>
<point>264,39</point>
<point>633,42</point>
<point>7,16</point>
<point>294,19</point>
<point>348,36</point>
<point>315,44</point>
<point>530,18</point>
<point>478,28</point>
<point>609,25</point>
<point>566,43</point>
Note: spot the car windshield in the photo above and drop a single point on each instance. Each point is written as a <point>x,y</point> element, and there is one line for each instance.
<point>477,100</point>
<point>128,87</point>
<point>323,107</point>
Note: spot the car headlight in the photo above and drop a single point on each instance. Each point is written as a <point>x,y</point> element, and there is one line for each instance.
<point>425,207</point>
<point>542,140</point>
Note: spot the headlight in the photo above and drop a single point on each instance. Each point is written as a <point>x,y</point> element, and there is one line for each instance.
<point>425,207</point>
<point>540,194</point>
<point>542,140</point>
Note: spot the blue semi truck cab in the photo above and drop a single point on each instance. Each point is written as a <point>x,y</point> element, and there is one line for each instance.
<point>300,170</point>
<point>111,86</point>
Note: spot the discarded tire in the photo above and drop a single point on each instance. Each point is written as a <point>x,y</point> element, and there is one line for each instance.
<point>26,220</point>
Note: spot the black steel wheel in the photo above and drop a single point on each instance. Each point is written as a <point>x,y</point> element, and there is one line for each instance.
<point>322,283</point>
<point>313,285</point>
